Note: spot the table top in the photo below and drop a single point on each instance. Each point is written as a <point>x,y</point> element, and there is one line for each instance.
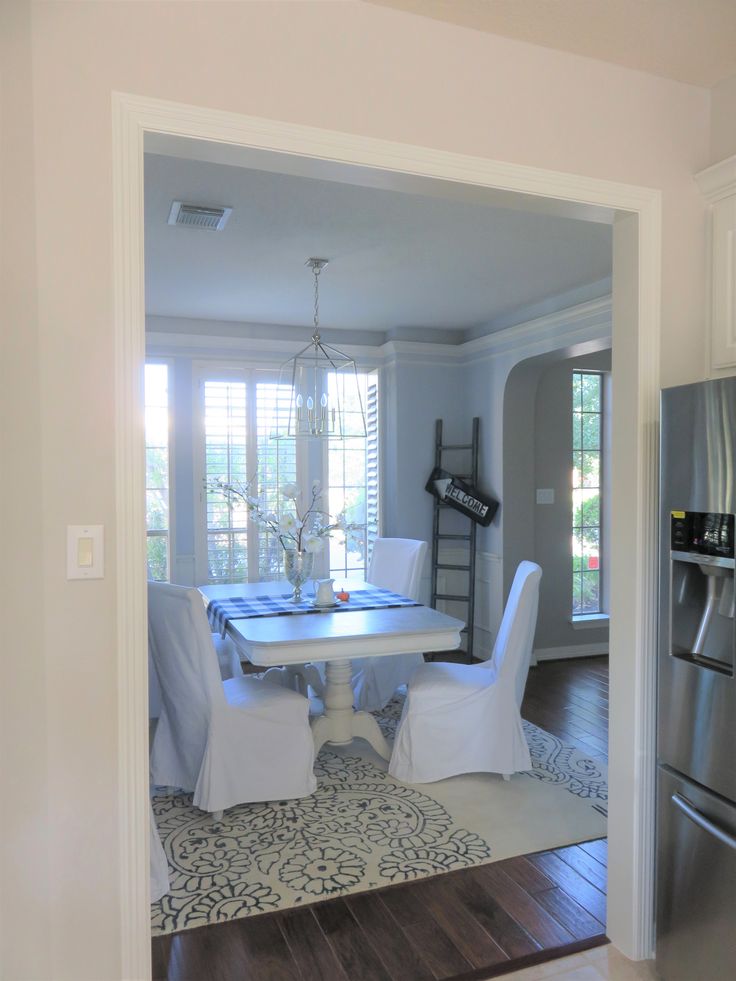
<point>329,635</point>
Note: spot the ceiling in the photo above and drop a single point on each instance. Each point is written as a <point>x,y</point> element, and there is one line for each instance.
<point>400,263</point>
<point>690,41</point>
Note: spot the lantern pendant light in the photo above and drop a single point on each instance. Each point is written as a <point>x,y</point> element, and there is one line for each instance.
<point>325,399</point>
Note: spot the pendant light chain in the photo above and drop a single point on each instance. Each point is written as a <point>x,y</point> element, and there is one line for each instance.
<point>316,269</point>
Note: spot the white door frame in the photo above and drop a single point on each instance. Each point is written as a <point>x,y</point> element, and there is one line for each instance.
<point>635,412</point>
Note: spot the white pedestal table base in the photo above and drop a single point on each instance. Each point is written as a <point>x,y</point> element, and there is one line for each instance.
<point>340,723</point>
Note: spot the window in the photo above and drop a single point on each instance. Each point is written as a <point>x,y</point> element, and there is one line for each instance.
<point>352,483</point>
<point>157,470</point>
<point>240,408</point>
<point>587,455</point>
<point>225,419</point>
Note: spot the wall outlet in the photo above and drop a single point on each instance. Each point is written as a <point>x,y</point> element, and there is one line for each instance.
<point>545,495</point>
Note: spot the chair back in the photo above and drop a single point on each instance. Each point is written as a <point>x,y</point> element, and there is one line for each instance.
<point>396,564</point>
<point>184,656</point>
<point>512,651</point>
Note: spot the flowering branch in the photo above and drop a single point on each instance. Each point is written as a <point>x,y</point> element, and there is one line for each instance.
<point>301,530</point>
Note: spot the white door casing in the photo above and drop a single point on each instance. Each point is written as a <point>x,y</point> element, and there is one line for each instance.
<point>636,282</point>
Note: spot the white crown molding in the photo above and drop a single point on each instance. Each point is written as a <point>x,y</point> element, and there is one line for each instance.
<point>718,181</point>
<point>584,321</point>
<point>164,344</point>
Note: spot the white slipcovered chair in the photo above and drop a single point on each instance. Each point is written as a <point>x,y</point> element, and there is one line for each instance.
<point>396,564</point>
<point>228,742</point>
<point>158,862</point>
<point>466,718</point>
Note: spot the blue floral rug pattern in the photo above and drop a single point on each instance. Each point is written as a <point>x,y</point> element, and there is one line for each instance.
<point>360,830</point>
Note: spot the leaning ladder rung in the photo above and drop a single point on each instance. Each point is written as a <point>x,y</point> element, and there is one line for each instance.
<point>452,596</point>
<point>458,568</point>
<point>463,538</point>
<point>456,446</point>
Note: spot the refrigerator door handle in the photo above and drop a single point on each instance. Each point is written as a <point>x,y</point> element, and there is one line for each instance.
<point>697,817</point>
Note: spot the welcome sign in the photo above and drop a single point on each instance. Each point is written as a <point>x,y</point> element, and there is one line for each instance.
<point>461,496</point>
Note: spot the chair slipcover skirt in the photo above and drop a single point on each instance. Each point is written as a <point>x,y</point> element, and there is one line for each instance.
<point>466,718</point>
<point>228,742</point>
<point>456,720</point>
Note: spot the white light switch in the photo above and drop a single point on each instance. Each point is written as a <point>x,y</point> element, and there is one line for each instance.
<point>545,495</point>
<point>84,552</point>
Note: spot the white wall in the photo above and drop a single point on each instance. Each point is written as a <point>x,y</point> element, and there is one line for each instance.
<point>342,65</point>
<point>723,120</point>
<point>24,647</point>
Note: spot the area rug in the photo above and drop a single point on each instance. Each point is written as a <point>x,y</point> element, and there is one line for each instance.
<point>362,829</point>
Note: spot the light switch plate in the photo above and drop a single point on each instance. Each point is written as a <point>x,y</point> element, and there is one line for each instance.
<point>545,495</point>
<point>85,558</point>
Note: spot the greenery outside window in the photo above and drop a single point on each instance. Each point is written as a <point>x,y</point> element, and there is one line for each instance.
<point>587,457</point>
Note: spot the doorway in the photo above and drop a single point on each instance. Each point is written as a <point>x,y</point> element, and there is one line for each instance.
<point>636,253</point>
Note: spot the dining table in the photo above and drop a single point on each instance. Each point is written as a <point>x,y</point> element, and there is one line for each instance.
<point>267,633</point>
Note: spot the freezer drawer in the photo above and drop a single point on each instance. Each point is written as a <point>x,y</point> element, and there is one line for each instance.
<point>696,882</point>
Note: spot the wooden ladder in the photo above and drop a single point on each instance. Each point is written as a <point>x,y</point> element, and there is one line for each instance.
<point>438,535</point>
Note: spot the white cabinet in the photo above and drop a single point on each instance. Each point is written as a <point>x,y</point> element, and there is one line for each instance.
<point>718,185</point>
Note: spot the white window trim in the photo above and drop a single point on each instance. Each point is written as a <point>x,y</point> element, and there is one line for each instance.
<point>589,621</point>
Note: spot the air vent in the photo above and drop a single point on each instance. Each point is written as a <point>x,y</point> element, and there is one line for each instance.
<point>198,216</point>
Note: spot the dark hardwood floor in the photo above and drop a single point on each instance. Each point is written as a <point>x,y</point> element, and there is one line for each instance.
<point>570,700</point>
<point>472,924</point>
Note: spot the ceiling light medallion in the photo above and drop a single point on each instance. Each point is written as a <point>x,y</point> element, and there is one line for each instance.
<point>325,399</point>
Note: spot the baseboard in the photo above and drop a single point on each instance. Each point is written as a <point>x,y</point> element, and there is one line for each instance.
<point>576,650</point>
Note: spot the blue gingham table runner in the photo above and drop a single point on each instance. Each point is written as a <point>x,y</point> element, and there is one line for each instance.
<point>239,608</point>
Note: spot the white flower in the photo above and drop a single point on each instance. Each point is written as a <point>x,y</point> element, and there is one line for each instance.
<point>289,491</point>
<point>312,543</point>
<point>287,524</point>
<point>316,487</point>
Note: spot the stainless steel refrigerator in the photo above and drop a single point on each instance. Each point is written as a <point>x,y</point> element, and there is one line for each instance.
<point>696,727</point>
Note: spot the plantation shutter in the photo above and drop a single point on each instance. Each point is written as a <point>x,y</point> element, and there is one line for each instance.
<point>371,466</point>
<point>225,428</point>
<point>276,466</point>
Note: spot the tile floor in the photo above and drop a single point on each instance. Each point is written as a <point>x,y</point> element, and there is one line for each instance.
<point>591,965</point>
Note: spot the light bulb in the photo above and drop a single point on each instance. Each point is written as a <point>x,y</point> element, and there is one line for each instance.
<point>310,403</point>
<point>299,401</point>
<point>323,400</point>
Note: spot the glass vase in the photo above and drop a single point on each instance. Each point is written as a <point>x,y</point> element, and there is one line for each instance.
<point>298,568</point>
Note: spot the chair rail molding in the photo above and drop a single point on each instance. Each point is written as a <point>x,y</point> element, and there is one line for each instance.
<point>133,119</point>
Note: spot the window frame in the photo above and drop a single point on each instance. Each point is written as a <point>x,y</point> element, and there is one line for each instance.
<point>594,617</point>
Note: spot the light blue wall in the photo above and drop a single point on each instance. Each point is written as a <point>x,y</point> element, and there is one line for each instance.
<point>415,395</point>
